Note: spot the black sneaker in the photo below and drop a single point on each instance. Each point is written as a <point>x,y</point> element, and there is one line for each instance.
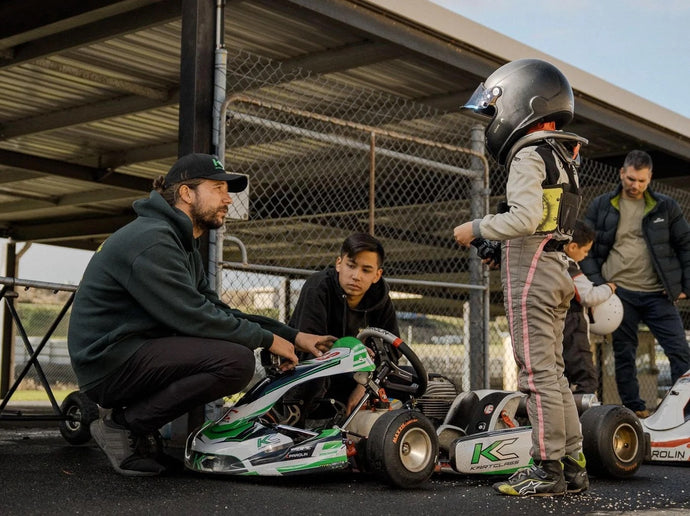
<point>542,479</point>
<point>575,473</point>
<point>128,453</point>
<point>156,449</point>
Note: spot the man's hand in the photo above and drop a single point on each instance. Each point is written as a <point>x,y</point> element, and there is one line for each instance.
<point>284,349</point>
<point>463,234</point>
<point>314,344</point>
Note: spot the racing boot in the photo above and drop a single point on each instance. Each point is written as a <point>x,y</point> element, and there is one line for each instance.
<point>575,473</point>
<point>544,478</point>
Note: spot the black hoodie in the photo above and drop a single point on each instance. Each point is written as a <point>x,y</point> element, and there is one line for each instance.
<point>146,281</point>
<point>322,308</point>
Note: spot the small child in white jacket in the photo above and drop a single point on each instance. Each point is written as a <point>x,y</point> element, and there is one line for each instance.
<point>577,354</point>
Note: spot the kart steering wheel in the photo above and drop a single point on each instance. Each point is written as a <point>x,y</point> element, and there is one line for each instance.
<point>383,343</point>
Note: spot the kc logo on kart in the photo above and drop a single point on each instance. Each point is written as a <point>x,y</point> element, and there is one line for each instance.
<point>266,441</point>
<point>493,452</point>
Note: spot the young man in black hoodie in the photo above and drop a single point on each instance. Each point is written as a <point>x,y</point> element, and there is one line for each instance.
<point>148,336</point>
<point>343,299</point>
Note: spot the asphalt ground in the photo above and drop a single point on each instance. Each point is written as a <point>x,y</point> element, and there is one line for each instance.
<point>40,473</point>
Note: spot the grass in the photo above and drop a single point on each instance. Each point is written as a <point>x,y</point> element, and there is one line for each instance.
<point>31,390</point>
<point>39,395</point>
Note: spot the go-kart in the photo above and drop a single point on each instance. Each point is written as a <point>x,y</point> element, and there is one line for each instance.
<point>487,432</point>
<point>429,427</point>
<point>669,427</point>
<point>267,432</point>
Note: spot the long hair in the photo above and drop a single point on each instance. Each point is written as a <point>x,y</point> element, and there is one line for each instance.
<point>171,194</point>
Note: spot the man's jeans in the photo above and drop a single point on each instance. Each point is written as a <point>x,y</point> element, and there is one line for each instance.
<point>663,320</point>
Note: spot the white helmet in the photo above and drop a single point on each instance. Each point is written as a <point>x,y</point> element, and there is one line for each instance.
<point>607,316</point>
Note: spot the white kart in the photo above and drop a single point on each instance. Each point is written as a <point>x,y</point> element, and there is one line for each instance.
<point>669,427</point>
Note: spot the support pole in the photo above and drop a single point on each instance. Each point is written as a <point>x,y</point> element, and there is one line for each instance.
<point>479,377</point>
<point>6,357</point>
<point>195,131</point>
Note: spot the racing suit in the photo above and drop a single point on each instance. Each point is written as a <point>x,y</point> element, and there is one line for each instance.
<point>536,285</point>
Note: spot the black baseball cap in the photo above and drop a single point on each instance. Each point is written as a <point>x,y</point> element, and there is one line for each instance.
<point>203,166</point>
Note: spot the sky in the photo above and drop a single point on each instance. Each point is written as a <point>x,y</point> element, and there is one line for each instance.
<point>642,46</point>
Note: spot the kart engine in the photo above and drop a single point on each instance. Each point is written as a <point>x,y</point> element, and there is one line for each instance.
<point>437,399</point>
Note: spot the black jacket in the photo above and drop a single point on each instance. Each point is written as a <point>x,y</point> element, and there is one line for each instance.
<point>145,281</point>
<point>665,231</point>
<point>322,308</point>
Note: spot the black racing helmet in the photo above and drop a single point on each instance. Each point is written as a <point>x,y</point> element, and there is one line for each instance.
<point>518,95</point>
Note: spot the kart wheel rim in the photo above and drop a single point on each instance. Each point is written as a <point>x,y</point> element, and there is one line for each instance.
<point>625,443</point>
<point>415,450</point>
<point>73,418</point>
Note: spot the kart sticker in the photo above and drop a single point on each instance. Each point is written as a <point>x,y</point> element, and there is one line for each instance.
<point>493,451</point>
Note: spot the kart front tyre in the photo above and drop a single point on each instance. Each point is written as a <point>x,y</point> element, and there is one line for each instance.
<point>402,448</point>
<point>613,441</point>
<point>79,411</point>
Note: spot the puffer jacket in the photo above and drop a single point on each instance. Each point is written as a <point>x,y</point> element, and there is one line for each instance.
<point>665,230</point>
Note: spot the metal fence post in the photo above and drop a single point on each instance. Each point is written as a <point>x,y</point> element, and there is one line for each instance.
<point>479,377</point>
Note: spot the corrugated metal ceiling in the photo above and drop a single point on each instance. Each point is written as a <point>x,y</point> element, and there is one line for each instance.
<point>89,106</point>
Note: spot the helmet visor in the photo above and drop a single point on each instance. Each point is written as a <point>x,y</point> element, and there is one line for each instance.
<point>483,100</point>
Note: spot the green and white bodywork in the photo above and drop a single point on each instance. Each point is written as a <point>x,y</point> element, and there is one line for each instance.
<point>241,442</point>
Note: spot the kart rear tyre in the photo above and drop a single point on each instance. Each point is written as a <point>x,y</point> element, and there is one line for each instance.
<point>613,441</point>
<point>79,411</point>
<point>402,448</point>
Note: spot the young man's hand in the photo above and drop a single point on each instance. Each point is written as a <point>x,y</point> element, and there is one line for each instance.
<point>317,345</point>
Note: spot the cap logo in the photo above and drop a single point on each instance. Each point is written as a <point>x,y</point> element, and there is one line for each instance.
<point>217,164</point>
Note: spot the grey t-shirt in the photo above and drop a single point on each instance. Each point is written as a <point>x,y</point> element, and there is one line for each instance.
<point>629,264</point>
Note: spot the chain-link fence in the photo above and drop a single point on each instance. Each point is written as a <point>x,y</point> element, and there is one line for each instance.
<point>326,159</point>
<point>306,142</point>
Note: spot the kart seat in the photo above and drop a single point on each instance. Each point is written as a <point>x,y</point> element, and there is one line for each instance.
<point>461,410</point>
<point>457,420</point>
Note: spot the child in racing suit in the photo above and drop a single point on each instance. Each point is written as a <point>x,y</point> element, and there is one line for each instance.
<point>524,103</point>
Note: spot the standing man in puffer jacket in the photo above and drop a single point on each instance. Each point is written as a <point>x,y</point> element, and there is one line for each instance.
<point>643,246</point>
<point>525,104</point>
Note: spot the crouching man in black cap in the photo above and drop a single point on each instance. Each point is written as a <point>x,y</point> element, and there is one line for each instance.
<point>148,337</point>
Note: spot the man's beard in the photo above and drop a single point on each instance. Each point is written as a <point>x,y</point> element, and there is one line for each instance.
<point>206,219</point>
